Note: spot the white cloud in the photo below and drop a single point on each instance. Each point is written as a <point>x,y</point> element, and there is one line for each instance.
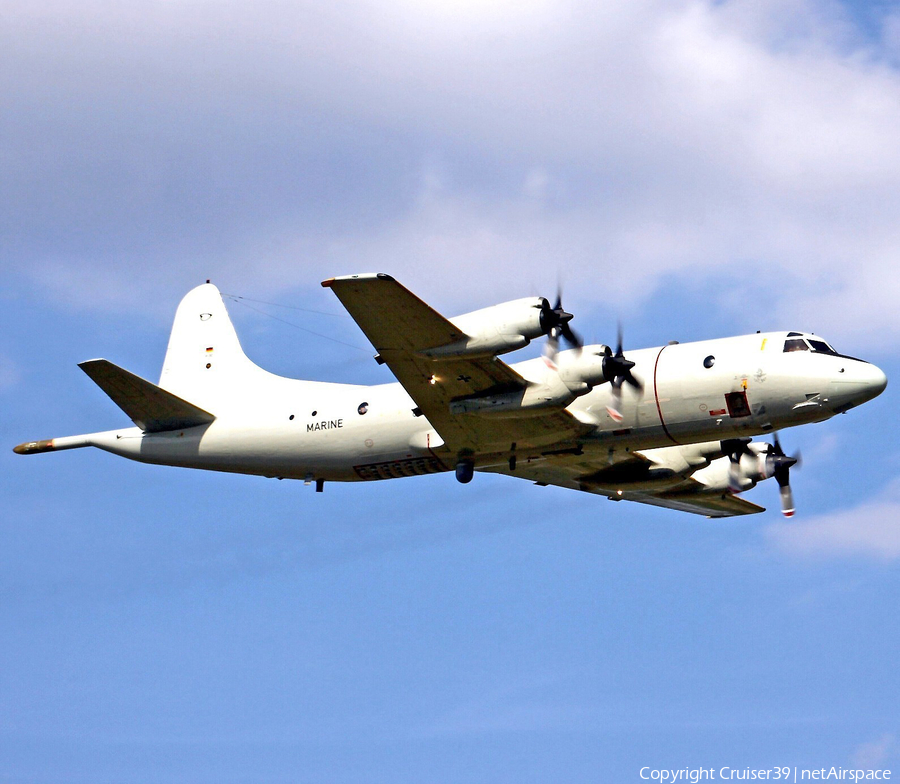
<point>822,450</point>
<point>890,32</point>
<point>478,144</point>
<point>9,373</point>
<point>873,755</point>
<point>869,530</point>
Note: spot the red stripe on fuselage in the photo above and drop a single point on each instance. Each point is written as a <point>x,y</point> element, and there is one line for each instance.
<point>656,397</point>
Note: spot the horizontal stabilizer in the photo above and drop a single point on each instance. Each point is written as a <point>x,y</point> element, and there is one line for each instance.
<point>152,409</point>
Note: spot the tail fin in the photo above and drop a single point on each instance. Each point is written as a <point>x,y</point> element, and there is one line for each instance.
<point>204,360</point>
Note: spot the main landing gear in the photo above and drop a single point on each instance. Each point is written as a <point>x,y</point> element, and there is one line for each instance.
<point>465,470</point>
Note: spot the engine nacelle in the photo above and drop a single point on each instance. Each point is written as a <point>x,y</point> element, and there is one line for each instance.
<point>752,467</point>
<point>533,400</point>
<point>549,387</point>
<point>496,330</point>
<point>581,370</point>
<point>684,459</point>
<point>661,469</point>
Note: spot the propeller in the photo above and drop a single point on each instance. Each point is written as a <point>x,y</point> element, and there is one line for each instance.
<point>617,371</point>
<point>555,323</point>
<point>736,448</point>
<point>780,465</point>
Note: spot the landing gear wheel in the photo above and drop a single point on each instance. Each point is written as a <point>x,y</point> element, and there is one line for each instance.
<point>465,470</point>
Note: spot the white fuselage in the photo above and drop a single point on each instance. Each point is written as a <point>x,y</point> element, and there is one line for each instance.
<point>273,426</point>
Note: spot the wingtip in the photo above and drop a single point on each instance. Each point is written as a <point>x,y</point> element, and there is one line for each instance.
<point>362,276</point>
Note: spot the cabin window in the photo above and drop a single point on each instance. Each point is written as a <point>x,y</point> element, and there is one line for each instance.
<point>709,361</point>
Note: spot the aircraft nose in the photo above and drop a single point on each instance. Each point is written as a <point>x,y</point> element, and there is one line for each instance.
<point>858,382</point>
<point>876,381</point>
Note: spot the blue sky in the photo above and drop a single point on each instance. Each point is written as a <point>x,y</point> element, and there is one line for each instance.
<point>696,169</point>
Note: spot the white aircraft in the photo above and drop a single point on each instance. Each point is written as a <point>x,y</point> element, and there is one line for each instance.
<point>667,426</point>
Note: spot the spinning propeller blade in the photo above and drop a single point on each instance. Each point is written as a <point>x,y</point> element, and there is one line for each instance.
<point>781,468</point>
<point>617,371</point>
<point>735,448</point>
<point>555,323</point>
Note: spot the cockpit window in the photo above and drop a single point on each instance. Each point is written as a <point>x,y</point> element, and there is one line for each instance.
<point>821,347</point>
<point>808,344</point>
<point>795,345</point>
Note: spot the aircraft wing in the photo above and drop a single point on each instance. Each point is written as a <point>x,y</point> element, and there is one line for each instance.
<point>574,473</point>
<point>402,327</point>
<point>706,504</point>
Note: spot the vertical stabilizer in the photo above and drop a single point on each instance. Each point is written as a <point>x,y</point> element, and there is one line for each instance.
<point>204,361</point>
